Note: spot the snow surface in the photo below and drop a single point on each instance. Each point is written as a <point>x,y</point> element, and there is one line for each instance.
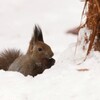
<point>63,81</point>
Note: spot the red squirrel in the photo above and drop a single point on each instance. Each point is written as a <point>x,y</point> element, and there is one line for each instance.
<point>35,61</point>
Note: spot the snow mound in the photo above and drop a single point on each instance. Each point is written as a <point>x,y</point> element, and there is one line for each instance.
<point>62,82</point>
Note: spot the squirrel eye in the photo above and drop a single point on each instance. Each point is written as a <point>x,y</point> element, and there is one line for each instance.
<point>39,49</point>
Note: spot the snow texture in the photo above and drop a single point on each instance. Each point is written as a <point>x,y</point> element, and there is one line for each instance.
<point>65,80</point>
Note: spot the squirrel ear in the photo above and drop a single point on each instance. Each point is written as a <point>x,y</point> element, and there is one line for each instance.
<point>37,34</point>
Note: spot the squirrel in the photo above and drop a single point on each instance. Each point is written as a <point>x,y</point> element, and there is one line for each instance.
<point>37,58</point>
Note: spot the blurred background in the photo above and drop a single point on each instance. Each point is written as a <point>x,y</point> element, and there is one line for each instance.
<point>55,17</point>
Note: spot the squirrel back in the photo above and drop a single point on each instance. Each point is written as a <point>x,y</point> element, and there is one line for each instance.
<point>7,57</point>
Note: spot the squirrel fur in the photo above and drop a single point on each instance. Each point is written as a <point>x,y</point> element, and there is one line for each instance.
<point>37,58</point>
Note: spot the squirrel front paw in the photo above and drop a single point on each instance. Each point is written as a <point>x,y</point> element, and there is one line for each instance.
<point>52,61</point>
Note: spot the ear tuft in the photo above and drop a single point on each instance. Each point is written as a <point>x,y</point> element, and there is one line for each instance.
<point>38,33</point>
<point>37,36</point>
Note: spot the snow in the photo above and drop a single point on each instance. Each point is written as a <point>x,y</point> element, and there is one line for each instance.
<point>63,81</point>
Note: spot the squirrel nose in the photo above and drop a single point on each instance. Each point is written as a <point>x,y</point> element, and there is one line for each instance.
<point>52,54</point>
<point>49,55</point>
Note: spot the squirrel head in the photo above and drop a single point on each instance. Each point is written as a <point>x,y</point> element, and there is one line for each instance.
<point>37,48</point>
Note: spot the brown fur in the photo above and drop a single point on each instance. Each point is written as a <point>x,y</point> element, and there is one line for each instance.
<point>37,59</point>
<point>7,57</point>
